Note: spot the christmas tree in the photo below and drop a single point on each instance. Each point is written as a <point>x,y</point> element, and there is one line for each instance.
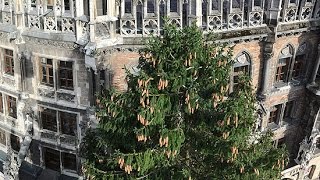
<point>178,119</point>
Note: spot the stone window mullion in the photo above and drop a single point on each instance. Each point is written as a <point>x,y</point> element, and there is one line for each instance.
<point>280,118</point>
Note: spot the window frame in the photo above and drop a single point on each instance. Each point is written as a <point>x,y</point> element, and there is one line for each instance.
<point>8,61</point>
<point>13,140</point>
<point>59,122</point>
<point>48,67</point>
<point>246,64</point>
<point>11,103</point>
<point>66,77</point>
<point>59,160</point>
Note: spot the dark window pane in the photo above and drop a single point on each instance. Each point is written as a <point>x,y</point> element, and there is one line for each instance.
<point>68,123</point>
<point>49,119</point>
<point>69,161</point>
<point>15,142</point>
<point>52,159</point>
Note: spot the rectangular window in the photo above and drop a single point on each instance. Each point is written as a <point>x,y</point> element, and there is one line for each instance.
<point>3,137</point>
<point>49,119</point>
<point>281,74</point>
<point>47,72</point>
<point>288,110</point>
<point>150,6</point>
<point>274,114</point>
<point>68,123</point>
<point>237,72</point>
<point>173,5</point>
<point>69,161</point>
<point>65,75</point>
<point>15,142</point>
<point>298,66</point>
<point>12,106</point>
<point>52,159</point>
<point>127,6</point>
<point>1,103</point>
<point>8,62</point>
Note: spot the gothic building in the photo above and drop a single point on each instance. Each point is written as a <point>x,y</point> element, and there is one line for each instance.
<point>55,55</point>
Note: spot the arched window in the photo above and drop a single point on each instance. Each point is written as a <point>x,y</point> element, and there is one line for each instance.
<point>282,71</point>
<point>298,68</point>
<point>240,67</point>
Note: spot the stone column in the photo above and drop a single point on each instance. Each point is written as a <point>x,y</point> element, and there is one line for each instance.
<point>316,67</point>
<point>266,73</point>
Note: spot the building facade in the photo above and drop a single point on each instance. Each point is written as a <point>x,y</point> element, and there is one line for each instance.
<point>55,55</point>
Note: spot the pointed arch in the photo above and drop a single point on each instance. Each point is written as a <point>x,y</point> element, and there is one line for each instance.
<point>283,65</point>
<point>241,66</point>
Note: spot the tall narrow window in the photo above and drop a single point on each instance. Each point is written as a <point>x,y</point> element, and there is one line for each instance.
<point>298,68</point>
<point>240,68</point>
<point>68,123</point>
<point>1,103</point>
<point>127,6</point>
<point>214,5</point>
<point>139,17</point>
<point>288,110</point>
<point>66,5</point>
<point>9,62</point>
<point>69,161</point>
<point>49,119</point>
<point>3,140</point>
<point>150,6</point>
<point>12,106</point>
<point>173,5</point>
<point>66,75</point>
<point>15,142</point>
<point>204,14</point>
<point>52,159</point>
<point>47,71</point>
<point>282,71</point>
<point>274,114</point>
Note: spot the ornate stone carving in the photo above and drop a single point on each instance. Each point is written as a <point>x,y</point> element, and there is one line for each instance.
<point>50,24</point>
<point>47,135</point>
<point>68,25</point>
<point>66,97</point>
<point>6,17</point>
<point>9,81</point>
<point>306,13</point>
<point>128,27</point>
<point>69,140</point>
<point>45,42</point>
<point>150,26</point>
<point>255,18</point>
<point>267,55</point>
<point>46,93</point>
<point>102,30</point>
<point>235,21</point>
<point>214,22</point>
<point>290,15</point>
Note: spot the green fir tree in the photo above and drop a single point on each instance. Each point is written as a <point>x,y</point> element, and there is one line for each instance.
<point>178,120</point>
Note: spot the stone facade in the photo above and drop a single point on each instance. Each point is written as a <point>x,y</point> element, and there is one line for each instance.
<point>56,55</point>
